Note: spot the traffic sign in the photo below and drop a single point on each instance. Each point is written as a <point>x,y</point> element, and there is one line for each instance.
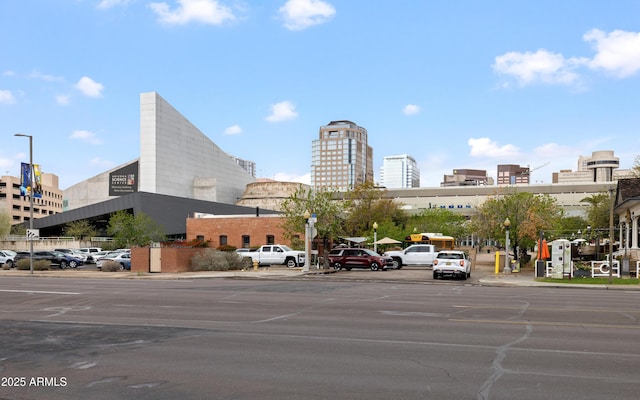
<point>33,234</point>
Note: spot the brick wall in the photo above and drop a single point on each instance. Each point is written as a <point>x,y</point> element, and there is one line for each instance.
<point>257,228</point>
<point>172,259</point>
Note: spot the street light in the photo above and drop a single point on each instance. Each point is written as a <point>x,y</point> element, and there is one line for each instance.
<point>507,224</point>
<point>30,196</point>
<point>375,237</point>
<point>307,256</point>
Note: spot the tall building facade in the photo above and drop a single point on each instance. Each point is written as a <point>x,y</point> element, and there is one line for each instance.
<point>17,206</point>
<point>602,166</point>
<point>399,171</point>
<point>510,174</point>
<point>341,157</point>
<point>467,177</point>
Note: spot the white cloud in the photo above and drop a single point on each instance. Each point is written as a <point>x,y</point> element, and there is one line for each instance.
<point>6,97</point>
<point>45,77</point>
<point>485,147</point>
<point>618,52</point>
<point>85,136</point>
<point>302,14</point>
<point>100,163</point>
<point>287,177</point>
<point>63,100</point>
<point>112,3</point>
<point>233,130</point>
<point>283,111</point>
<point>542,66</point>
<point>411,109</point>
<point>89,87</point>
<point>205,11</point>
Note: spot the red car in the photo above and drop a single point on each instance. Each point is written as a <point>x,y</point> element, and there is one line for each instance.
<point>348,258</point>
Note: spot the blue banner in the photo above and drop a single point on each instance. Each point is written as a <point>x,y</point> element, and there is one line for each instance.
<point>25,179</point>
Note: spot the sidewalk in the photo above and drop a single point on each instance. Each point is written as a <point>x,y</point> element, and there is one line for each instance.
<point>482,273</point>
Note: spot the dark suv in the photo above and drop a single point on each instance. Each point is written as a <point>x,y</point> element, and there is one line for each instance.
<point>54,257</point>
<point>348,258</point>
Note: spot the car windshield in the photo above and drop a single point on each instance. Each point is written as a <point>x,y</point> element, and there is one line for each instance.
<point>370,252</point>
<point>450,256</point>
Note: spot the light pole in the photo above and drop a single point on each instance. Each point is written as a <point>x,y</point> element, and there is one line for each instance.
<point>30,196</point>
<point>307,256</point>
<point>506,224</point>
<point>375,237</point>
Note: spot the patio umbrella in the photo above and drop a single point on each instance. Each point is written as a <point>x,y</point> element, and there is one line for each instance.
<point>543,250</point>
<point>387,240</point>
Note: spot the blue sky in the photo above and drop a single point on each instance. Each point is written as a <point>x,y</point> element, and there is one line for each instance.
<point>455,84</point>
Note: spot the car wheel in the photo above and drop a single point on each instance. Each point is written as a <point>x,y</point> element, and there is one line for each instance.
<point>469,274</point>
<point>121,267</point>
<point>63,264</point>
<point>464,276</point>
<point>337,266</point>
<point>396,263</point>
<point>291,263</point>
<point>435,275</point>
<point>9,263</point>
<point>375,266</point>
<point>73,264</point>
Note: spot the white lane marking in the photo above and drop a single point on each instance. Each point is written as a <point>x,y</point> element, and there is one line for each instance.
<point>36,291</point>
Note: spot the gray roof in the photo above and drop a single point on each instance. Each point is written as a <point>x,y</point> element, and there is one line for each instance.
<point>169,211</point>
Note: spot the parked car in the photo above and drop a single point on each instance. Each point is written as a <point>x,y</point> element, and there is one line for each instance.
<point>122,258</point>
<point>452,263</point>
<point>74,253</point>
<point>107,254</point>
<point>7,257</point>
<point>61,260</point>
<point>90,251</point>
<point>348,258</point>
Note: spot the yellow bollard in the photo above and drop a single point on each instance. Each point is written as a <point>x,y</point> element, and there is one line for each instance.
<point>497,262</point>
<point>255,265</point>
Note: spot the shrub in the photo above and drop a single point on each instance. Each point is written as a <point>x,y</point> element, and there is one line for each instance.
<point>216,260</point>
<point>24,264</point>
<point>110,266</point>
<point>227,247</point>
<point>6,266</point>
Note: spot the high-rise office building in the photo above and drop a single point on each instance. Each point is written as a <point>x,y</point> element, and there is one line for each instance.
<point>399,171</point>
<point>341,158</point>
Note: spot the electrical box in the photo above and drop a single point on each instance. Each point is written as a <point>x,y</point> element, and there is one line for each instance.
<point>561,258</point>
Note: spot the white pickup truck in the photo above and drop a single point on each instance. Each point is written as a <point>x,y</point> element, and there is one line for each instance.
<point>276,254</point>
<point>416,254</point>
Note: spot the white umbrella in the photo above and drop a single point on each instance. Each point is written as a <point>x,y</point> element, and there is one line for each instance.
<point>387,240</point>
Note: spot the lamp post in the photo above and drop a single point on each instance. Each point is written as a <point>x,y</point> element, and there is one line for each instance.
<point>307,256</point>
<point>506,224</point>
<point>30,196</point>
<point>375,237</point>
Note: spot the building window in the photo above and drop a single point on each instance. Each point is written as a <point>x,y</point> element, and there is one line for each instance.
<point>200,238</point>
<point>223,240</point>
<point>246,241</point>
<point>271,239</point>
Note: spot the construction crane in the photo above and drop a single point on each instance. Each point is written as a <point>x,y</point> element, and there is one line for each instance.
<point>529,171</point>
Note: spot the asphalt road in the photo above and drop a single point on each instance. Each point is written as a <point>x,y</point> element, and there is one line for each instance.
<point>314,338</point>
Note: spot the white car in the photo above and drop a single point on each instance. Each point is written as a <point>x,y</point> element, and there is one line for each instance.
<point>452,263</point>
<point>7,257</point>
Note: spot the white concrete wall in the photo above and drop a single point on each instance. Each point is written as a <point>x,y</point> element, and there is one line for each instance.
<point>174,155</point>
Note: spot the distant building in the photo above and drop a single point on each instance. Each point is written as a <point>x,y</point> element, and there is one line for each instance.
<point>17,206</point>
<point>602,166</point>
<point>341,158</point>
<point>399,171</point>
<point>510,174</point>
<point>467,177</point>
<point>247,165</point>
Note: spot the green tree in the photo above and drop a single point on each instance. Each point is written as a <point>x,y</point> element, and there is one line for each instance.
<point>5,223</point>
<point>527,213</point>
<point>128,230</point>
<point>598,210</point>
<point>365,205</point>
<point>80,229</point>
<point>328,210</point>
<point>438,220</point>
